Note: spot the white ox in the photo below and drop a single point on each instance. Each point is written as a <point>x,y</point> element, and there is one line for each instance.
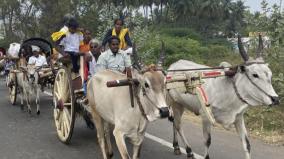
<point>28,83</point>
<point>112,106</point>
<point>229,98</point>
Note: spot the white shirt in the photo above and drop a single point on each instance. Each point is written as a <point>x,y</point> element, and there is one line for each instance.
<point>37,61</point>
<point>92,65</point>
<point>71,42</point>
<point>118,62</point>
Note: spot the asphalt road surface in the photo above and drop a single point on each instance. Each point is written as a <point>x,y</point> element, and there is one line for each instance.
<point>24,136</point>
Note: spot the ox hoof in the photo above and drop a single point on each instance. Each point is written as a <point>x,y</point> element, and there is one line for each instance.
<point>190,156</point>
<point>91,125</point>
<point>110,155</point>
<point>30,111</point>
<point>207,157</point>
<point>22,106</point>
<point>171,119</point>
<point>38,112</point>
<point>177,151</point>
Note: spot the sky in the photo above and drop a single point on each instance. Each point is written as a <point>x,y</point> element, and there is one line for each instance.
<point>254,5</point>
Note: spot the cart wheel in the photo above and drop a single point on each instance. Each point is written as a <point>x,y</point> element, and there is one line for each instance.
<point>64,105</point>
<point>7,79</point>
<point>13,86</point>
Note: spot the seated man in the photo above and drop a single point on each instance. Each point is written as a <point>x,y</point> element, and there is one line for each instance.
<point>93,56</point>
<point>114,58</point>
<point>37,59</point>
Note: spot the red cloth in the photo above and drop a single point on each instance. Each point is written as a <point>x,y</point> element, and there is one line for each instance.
<point>85,48</point>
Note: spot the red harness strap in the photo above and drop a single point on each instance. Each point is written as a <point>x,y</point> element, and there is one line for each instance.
<point>204,96</point>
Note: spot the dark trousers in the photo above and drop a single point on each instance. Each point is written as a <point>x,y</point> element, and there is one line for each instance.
<point>74,59</point>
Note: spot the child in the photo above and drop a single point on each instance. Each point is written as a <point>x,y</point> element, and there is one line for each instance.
<point>71,44</point>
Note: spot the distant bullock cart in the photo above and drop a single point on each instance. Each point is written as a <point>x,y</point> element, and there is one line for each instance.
<point>27,80</point>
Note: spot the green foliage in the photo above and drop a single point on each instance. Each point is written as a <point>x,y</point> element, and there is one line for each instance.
<point>186,48</point>
<point>265,120</point>
<point>180,32</point>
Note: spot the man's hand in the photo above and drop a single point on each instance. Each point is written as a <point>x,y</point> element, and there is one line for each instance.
<point>64,54</point>
<point>88,58</point>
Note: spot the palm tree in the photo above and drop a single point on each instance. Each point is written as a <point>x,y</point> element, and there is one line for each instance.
<point>183,10</point>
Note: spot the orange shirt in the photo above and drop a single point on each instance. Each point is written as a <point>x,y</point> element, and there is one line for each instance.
<point>85,48</point>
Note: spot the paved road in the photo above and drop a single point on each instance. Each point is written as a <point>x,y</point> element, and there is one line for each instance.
<point>33,137</point>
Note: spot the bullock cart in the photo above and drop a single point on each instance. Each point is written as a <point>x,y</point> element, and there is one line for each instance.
<point>46,73</point>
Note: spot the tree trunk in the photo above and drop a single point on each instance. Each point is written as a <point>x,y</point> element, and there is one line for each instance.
<point>161,16</point>
<point>167,13</point>
<point>151,7</point>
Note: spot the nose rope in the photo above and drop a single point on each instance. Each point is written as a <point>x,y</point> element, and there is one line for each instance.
<point>238,93</point>
<point>140,104</point>
<point>258,87</point>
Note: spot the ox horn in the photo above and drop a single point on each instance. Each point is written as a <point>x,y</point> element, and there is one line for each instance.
<point>259,51</point>
<point>136,63</point>
<point>242,50</point>
<point>162,56</point>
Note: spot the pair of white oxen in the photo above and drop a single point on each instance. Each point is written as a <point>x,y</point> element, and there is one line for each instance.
<point>229,97</point>
<point>26,79</point>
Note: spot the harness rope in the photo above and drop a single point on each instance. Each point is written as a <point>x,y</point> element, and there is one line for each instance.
<point>140,104</point>
<point>238,93</point>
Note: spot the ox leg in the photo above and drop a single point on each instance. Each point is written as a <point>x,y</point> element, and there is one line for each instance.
<point>137,145</point>
<point>119,138</point>
<point>29,105</point>
<point>178,111</point>
<point>100,133</point>
<point>27,96</point>
<point>189,152</point>
<point>206,125</point>
<point>175,141</point>
<point>22,99</point>
<point>37,102</point>
<point>177,124</point>
<point>242,131</point>
<point>108,142</point>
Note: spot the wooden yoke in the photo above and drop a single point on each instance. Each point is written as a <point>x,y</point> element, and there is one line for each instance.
<point>125,82</point>
<point>191,82</point>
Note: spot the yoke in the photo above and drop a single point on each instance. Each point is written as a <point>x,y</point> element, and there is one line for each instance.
<point>190,82</point>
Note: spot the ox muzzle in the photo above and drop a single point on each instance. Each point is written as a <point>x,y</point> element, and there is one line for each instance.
<point>275,100</point>
<point>164,112</point>
<point>32,78</point>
